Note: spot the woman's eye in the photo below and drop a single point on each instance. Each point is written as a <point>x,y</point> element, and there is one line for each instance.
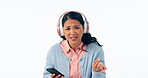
<point>77,28</point>
<point>67,28</point>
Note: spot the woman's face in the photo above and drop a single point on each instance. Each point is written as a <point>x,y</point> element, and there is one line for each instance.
<point>73,31</point>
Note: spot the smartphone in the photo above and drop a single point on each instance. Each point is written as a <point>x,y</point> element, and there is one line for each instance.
<point>54,71</point>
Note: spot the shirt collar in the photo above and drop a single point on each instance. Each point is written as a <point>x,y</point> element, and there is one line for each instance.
<point>65,46</point>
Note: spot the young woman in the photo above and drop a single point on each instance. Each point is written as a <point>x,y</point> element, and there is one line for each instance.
<point>79,55</point>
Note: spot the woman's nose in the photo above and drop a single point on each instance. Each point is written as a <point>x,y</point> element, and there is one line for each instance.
<point>72,31</point>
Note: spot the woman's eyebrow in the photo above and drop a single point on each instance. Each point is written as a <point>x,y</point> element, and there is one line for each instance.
<point>66,26</point>
<point>72,26</point>
<point>76,25</point>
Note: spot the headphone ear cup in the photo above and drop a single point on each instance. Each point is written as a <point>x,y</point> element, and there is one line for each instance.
<point>58,30</point>
<point>86,27</point>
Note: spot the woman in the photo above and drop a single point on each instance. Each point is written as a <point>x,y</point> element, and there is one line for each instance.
<point>79,55</point>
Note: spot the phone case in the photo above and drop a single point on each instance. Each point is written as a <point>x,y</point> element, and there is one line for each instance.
<point>53,70</point>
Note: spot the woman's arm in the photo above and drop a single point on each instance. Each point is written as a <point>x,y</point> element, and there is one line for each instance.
<point>98,66</point>
<point>49,64</point>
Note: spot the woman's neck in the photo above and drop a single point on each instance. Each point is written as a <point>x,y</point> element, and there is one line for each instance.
<point>74,46</point>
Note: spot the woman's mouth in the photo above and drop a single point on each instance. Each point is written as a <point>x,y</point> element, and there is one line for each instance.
<point>73,38</point>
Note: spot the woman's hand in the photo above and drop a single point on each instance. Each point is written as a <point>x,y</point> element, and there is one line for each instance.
<point>58,76</point>
<point>98,67</point>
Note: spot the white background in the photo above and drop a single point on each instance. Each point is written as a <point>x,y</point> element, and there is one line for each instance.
<point>28,30</point>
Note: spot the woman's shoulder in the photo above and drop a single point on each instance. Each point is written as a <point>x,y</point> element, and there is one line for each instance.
<point>56,45</point>
<point>94,46</point>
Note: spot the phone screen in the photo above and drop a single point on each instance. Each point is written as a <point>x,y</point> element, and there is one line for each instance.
<point>54,71</point>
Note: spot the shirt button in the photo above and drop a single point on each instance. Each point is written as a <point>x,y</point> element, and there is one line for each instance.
<point>81,59</point>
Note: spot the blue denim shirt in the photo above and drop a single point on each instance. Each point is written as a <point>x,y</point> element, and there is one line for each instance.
<point>58,60</point>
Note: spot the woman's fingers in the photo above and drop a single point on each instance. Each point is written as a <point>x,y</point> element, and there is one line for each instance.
<point>95,63</point>
<point>105,67</point>
<point>62,77</point>
<point>58,76</point>
<point>98,67</point>
<point>53,76</point>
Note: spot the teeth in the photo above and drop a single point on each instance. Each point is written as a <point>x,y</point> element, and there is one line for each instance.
<point>74,37</point>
